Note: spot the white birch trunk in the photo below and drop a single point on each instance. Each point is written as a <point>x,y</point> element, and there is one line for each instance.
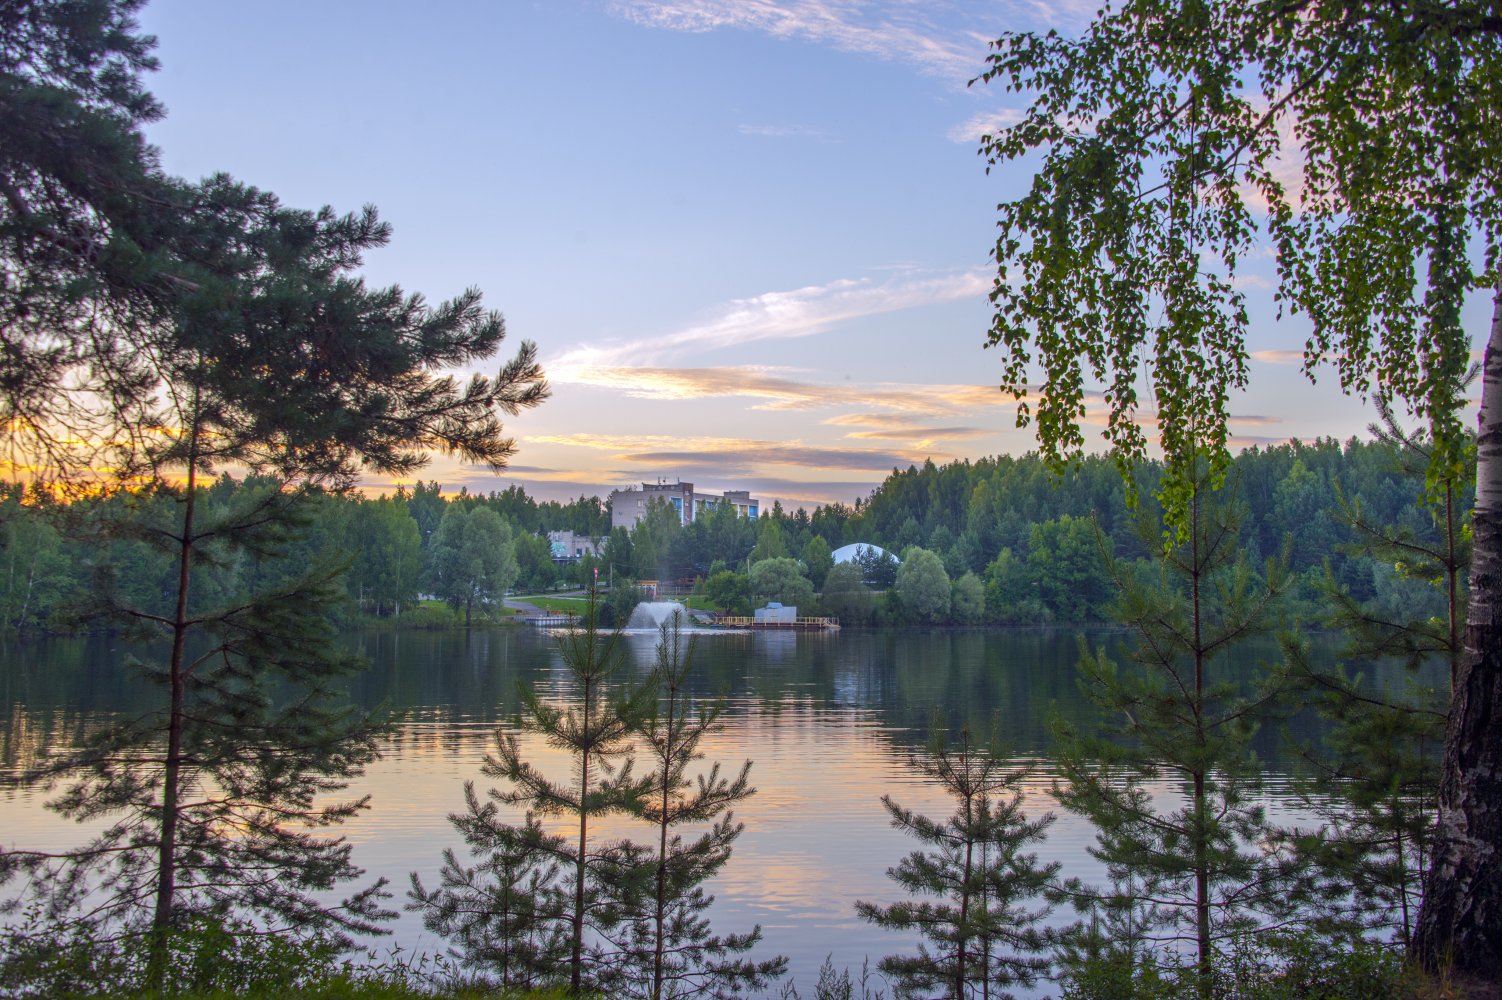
<point>1460,923</point>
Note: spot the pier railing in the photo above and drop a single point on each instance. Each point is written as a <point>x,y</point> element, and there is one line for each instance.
<point>552,621</point>
<point>737,621</point>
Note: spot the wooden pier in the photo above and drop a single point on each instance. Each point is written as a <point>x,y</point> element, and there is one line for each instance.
<point>776,625</point>
<point>552,621</point>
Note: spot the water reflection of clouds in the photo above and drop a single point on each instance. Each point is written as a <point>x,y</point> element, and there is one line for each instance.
<point>831,723</point>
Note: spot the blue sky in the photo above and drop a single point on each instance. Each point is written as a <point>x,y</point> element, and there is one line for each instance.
<point>749,238</point>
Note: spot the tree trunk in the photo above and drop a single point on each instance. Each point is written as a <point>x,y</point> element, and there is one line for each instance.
<point>663,822</point>
<point>166,882</point>
<point>964,929</point>
<point>576,956</point>
<point>1460,921</point>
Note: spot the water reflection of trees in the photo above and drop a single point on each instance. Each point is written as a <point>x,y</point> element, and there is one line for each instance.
<point>451,684</point>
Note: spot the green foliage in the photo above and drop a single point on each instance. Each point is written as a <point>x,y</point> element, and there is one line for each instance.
<point>729,592</point>
<point>1277,967</point>
<point>594,729</point>
<point>838,985</point>
<point>1065,569</point>
<point>157,328</point>
<point>781,579</point>
<point>1375,784</point>
<point>1120,261</point>
<point>471,562</point>
<point>846,596</point>
<point>387,547</point>
<point>652,541</point>
<point>922,587</point>
<point>506,915</point>
<point>207,956</point>
<point>967,601</point>
<point>34,571</point>
<point>878,569</point>
<point>1008,498</point>
<point>769,541</point>
<point>215,799</point>
<point>211,960</point>
<point>621,917</point>
<point>672,952</point>
<point>616,609</point>
<point>535,569</point>
<point>1011,598</point>
<point>817,561</point>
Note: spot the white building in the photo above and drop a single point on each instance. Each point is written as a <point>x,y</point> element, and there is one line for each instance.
<point>569,547</point>
<point>627,507</point>
<point>854,552</point>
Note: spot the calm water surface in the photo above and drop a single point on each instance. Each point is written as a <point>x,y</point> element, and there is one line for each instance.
<point>832,721</point>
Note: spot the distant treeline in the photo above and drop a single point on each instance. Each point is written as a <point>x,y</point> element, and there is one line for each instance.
<point>999,540</point>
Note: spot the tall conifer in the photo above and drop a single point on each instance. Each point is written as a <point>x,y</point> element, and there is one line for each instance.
<point>974,885</point>
<point>1193,871</point>
<point>269,355</point>
<point>1376,780</point>
<point>594,728</point>
<point>672,950</point>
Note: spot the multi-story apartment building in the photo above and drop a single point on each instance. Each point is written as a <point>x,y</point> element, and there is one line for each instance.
<point>629,506</point>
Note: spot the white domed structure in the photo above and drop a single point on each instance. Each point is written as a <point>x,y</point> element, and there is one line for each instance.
<point>854,551</point>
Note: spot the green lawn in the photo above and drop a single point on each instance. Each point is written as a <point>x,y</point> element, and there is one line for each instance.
<point>564,605</point>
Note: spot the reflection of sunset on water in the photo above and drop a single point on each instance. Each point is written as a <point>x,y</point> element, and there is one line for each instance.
<point>830,724</point>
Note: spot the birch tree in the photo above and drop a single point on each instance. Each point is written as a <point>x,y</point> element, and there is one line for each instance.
<point>1163,136</point>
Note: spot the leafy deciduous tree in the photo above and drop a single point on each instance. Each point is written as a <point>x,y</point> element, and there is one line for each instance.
<point>1166,130</point>
<point>923,586</point>
<point>471,560</point>
<point>781,580</point>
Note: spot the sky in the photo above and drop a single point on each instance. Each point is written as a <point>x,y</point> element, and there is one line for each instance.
<point>751,239</point>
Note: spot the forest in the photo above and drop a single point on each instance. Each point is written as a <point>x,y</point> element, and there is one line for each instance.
<point>997,541</point>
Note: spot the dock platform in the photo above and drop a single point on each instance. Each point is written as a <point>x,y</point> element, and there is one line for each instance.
<point>776,625</point>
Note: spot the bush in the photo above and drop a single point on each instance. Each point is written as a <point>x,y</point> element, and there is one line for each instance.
<point>615,610</point>
<point>221,960</point>
<point>1285,967</point>
<point>206,955</point>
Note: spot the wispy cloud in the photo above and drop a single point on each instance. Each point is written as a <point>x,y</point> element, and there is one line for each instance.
<point>888,420</point>
<point>733,456</point>
<point>887,29</point>
<point>1280,357</point>
<point>970,131</point>
<point>901,427</point>
<point>800,312</point>
<point>1236,441</point>
<point>754,454</point>
<point>921,435</point>
<point>777,391</point>
<point>782,131</point>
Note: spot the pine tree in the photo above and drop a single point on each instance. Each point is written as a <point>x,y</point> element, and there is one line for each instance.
<point>980,923</point>
<point>1197,873</point>
<point>215,797</point>
<point>509,912</point>
<point>1376,779</point>
<point>273,358</point>
<point>672,950</point>
<point>595,730</point>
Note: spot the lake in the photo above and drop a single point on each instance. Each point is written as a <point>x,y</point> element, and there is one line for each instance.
<point>832,721</point>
